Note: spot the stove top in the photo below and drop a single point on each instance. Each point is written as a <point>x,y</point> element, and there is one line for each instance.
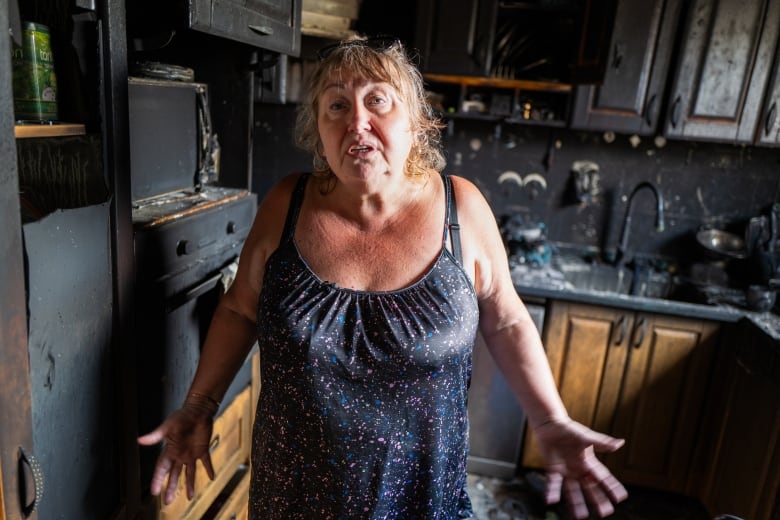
<point>168,207</point>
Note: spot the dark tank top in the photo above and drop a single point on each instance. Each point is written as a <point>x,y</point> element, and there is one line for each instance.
<point>362,411</point>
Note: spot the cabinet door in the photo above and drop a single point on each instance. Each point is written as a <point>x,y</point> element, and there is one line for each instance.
<point>270,24</point>
<point>663,393</point>
<point>74,395</point>
<point>629,99</point>
<point>587,347</point>
<point>15,413</point>
<point>740,463</point>
<point>726,57</point>
<point>455,37</point>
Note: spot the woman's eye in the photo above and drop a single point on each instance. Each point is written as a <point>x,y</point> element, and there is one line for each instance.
<point>336,105</point>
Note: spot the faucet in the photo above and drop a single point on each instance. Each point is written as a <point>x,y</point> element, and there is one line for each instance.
<point>622,248</point>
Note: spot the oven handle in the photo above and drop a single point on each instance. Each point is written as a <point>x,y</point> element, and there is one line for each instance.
<point>177,300</point>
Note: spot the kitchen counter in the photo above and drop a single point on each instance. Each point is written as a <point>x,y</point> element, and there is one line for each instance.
<point>532,282</point>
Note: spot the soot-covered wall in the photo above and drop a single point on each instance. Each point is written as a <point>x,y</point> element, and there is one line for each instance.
<point>703,184</point>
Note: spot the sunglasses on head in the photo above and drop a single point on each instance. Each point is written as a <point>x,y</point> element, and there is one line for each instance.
<point>378,43</point>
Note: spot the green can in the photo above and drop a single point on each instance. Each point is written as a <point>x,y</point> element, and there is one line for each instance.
<point>34,80</point>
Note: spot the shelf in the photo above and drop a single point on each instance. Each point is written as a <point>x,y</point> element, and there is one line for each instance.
<point>518,84</point>
<point>48,130</point>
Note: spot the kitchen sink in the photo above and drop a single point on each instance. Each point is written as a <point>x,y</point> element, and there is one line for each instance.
<point>583,275</point>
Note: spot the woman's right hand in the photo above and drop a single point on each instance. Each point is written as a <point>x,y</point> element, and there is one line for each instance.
<point>186,436</point>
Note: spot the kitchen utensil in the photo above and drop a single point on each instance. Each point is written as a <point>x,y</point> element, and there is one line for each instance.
<point>760,298</point>
<point>754,232</point>
<point>722,243</point>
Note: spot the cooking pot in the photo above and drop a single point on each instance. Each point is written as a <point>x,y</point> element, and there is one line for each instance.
<point>722,243</point>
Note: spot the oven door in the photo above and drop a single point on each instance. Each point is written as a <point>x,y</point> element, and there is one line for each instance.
<point>182,270</point>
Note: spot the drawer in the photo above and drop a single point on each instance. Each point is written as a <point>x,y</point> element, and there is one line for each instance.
<point>230,445</point>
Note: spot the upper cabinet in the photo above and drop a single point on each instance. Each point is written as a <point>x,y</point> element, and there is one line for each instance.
<point>630,97</point>
<point>274,25</point>
<point>270,24</point>
<point>543,40</point>
<point>721,90</point>
<point>510,60</point>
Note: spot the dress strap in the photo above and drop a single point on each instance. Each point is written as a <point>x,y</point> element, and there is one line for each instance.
<point>295,208</point>
<point>451,226</point>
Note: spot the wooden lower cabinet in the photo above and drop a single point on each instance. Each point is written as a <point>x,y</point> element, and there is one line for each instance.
<point>741,453</point>
<point>230,444</point>
<point>636,375</point>
<point>226,497</point>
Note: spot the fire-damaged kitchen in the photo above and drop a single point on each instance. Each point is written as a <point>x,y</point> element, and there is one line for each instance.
<point>629,151</point>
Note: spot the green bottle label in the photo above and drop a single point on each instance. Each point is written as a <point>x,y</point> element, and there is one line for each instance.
<point>34,80</point>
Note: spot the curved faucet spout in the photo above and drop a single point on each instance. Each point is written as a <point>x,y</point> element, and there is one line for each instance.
<point>622,250</point>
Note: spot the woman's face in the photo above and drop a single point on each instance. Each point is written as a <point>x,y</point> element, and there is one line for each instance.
<point>364,128</point>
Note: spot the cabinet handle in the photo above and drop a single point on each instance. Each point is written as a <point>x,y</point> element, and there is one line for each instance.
<point>650,110</point>
<point>28,463</point>
<point>641,335</point>
<point>617,58</point>
<point>676,111</point>
<point>265,30</point>
<point>770,118</point>
<point>621,326</point>
<point>214,444</point>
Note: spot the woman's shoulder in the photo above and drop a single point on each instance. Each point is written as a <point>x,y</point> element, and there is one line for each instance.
<point>279,194</point>
<point>468,196</point>
<point>272,211</point>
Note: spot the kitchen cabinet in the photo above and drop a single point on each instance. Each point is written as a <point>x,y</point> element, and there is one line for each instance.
<point>62,351</point>
<point>630,98</point>
<point>740,458</point>
<point>229,450</point>
<point>269,24</point>
<point>636,375</point>
<point>273,25</point>
<point>455,36</point>
<point>15,413</point>
<point>721,80</point>
<point>496,419</point>
<point>549,41</point>
<point>512,60</point>
<point>73,397</point>
<point>68,409</point>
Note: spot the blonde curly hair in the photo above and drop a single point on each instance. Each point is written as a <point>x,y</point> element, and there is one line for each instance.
<point>377,60</point>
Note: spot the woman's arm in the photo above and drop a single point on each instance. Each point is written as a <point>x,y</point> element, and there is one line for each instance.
<point>516,347</point>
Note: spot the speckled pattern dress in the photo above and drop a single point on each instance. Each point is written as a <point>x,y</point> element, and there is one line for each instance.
<point>362,412</point>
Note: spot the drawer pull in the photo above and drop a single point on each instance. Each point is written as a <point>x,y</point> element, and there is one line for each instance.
<point>28,463</point>
<point>214,444</point>
<point>621,331</point>
<point>265,30</point>
<point>642,329</point>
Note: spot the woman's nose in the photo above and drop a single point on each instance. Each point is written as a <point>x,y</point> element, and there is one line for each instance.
<point>360,119</point>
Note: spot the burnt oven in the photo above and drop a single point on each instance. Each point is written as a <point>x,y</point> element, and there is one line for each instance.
<point>188,234</point>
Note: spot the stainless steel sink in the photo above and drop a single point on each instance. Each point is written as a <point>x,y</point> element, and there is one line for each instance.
<point>602,277</point>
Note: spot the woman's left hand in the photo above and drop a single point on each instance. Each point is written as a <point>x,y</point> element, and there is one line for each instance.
<point>572,467</point>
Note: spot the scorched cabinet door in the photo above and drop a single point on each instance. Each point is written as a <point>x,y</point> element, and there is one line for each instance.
<point>727,54</point>
<point>269,24</point>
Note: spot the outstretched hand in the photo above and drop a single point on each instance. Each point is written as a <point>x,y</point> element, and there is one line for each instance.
<point>572,467</point>
<point>186,435</point>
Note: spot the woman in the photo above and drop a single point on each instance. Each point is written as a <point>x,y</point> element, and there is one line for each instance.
<point>364,284</point>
